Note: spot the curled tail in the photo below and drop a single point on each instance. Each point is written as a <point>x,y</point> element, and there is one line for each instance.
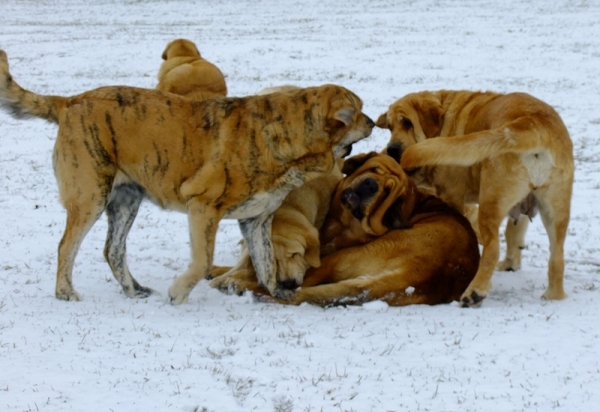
<point>23,104</point>
<point>520,135</point>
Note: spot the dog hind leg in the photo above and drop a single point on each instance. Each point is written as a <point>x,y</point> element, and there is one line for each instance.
<point>358,291</point>
<point>554,206</point>
<point>79,221</point>
<point>121,211</point>
<point>515,242</point>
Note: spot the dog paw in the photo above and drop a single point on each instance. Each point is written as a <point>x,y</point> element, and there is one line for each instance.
<point>68,295</point>
<point>284,294</point>
<point>226,284</point>
<point>508,265</point>
<point>471,299</point>
<point>179,292</point>
<point>139,292</point>
<point>217,271</point>
<point>554,294</point>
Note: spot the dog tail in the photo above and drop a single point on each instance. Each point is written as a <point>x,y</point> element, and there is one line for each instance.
<point>521,135</point>
<point>23,104</point>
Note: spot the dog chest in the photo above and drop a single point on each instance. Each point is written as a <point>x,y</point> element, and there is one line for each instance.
<point>257,204</point>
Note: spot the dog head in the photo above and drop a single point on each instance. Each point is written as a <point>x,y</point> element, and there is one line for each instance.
<point>412,119</point>
<point>341,111</point>
<point>377,192</point>
<point>180,48</point>
<point>295,253</point>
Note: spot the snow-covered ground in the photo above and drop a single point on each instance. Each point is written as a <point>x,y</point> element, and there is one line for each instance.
<point>229,353</point>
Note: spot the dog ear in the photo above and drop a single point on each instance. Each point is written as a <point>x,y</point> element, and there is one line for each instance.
<point>382,122</point>
<point>430,115</point>
<point>345,115</point>
<point>353,163</point>
<point>312,254</point>
<point>164,55</point>
<point>398,216</point>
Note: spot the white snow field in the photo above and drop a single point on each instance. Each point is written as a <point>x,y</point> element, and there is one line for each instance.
<point>228,353</point>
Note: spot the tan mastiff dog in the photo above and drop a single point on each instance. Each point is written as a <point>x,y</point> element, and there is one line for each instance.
<point>185,72</point>
<point>497,150</point>
<point>221,158</point>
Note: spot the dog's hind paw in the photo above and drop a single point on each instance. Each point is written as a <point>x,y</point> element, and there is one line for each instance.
<point>142,292</point>
<point>138,291</point>
<point>225,284</point>
<point>284,294</point>
<point>508,265</point>
<point>68,295</point>
<point>471,299</point>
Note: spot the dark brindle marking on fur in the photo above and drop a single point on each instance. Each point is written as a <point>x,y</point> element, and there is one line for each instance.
<point>97,152</point>
<point>111,129</point>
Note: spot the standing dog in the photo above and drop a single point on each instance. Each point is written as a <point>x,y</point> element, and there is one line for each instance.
<point>385,240</point>
<point>185,72</point>
<point>221,158</point>
<point>492,149</point>
<point>295,228</point>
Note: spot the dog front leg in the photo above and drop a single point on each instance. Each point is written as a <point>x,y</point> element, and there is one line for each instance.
<point>203,221</point>
<point>257,234</point>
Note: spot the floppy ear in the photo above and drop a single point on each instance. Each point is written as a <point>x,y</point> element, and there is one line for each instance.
<point>430,116</point>
<point>312,254</point>
<point>354,162</point>
<point>344,115</point>
<point>398,216</point>
<point>164,55</point>
<point>382,122</point>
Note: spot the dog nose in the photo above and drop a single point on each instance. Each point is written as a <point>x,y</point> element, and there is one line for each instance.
<point>367,187</point>
<point>394,150</point>
<point>288,284</point>
<point>350,199</point>
<point>370,122</point>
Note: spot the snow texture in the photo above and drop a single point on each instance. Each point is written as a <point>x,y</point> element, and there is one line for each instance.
<point>229,353</point>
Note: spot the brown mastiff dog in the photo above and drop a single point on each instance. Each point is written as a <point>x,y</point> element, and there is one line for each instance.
<point>383,239</point>
<point>220,158</point>
<point>185,72</point>
<point>497,150</point>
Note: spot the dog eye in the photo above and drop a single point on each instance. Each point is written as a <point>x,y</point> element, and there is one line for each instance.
<point>406,124</point>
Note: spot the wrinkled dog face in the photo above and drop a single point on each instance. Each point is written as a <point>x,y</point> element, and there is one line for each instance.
<point>371,189</point>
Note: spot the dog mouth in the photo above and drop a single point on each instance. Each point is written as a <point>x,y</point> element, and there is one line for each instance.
<point>347,150</point>
<point>356,198</point>
<point>352,201</point>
